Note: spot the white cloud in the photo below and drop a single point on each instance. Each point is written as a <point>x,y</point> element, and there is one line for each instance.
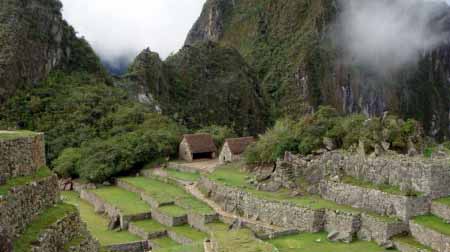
<point>117,28</point>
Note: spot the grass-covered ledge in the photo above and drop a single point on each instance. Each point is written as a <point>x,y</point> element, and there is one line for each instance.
<point>11,135</point>
<point>433,222</point>
<point>42,173</point>
<point>42,222</point>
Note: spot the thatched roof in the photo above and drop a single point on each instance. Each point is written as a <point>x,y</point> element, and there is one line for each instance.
<point>200,143</point>
<point>238,145</point>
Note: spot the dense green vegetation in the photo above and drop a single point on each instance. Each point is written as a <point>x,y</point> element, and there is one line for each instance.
<point>93,130</point>
<point>309,132</point>
<point>218,133</point>
<point>43,221</point>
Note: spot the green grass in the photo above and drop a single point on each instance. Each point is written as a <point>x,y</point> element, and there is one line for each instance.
<point>41,173</point>
<point>189,232</point>
<point>382,187</point>
<point>434,222</point>
<point>150,226</point>
<point>185,176</point>
<point>74,242</point>
<point>43,221</point>
<point>232,175</point>
<point>194,247</point>
<point>410,241</point>
<point>172,210</point>
<point>164,242</point>
<point>445,201</point>
<point>16,134</point>
<point>128,202</point>
<point>241,240</point>
<point>309,242</point>
<point>98,224</point>
<point>164,192</point>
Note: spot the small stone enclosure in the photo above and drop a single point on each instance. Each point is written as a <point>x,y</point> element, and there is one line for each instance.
<point>197,146</point>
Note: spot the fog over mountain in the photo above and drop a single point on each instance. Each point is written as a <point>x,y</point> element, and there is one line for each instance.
<point>119,30</point>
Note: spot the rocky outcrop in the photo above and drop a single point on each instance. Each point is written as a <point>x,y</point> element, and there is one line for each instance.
<point>34,39</point>
<point>301,67</point>
<point>203,84</point>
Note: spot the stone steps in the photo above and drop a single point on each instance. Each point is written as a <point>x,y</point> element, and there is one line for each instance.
<point>431,231</point>
<point>386,203</point>
<point>441,208</point>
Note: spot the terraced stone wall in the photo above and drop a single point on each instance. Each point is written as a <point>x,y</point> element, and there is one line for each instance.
<point>57,236</point>
<point>22,203</point>
<point>429,237</point>
<point>429,176</point>
<point>21,156</point>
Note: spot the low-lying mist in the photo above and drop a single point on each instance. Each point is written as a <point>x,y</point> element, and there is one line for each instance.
<point>387,35</point>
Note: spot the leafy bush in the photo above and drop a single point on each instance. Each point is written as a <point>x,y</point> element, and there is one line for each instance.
<point>308,133</point>
<point>219,133</point>
<point>68,163</point>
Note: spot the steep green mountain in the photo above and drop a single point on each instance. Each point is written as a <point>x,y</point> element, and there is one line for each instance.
<point>202,84</point>
<point>34,39</point>
<point>290,45</point>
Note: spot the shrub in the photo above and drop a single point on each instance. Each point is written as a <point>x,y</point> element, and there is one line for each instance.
<point>68,163</point>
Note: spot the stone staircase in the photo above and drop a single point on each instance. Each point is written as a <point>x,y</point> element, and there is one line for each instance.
<point>31,215</point>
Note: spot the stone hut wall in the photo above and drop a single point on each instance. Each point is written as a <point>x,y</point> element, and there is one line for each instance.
<point>184,151</point>
<point>54,238</point>
<point>23,203</point>
<point>21,156</point>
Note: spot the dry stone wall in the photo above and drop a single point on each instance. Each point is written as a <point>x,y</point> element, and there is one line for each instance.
<point>430,238</point>
<point>21,156</point>
<point>441,210</point>
<point>372,229</point>
<point>429,176</point>
<point>54,238</point>
<point>374,200</point>
<point>23,203</point>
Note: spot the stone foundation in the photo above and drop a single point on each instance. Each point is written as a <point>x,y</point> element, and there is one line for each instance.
<point>144,234</point>
<point>21,156</point>
<point>374,229</point>
<point>374,200</point>
<point>179,238</point>
<point>441,210</point>
<point>429,237</point>
<point>199,221</point>
<point>139,246</point>
<point>23,203</point>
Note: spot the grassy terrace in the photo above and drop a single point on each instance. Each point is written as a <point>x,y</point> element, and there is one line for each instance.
<point>318,243</point>
<point>43,221</point>
<point>410,241</point>
<point>150,226</point>
<point>164,242</point>
<point>445,201</point>
<point>172,210</point>
<point>231,175</point>
<point>434,222</point>
<point>163,192</point>
<point>384,187</point>
<point>195,247</point>
<point>241,240</point>
<point>189,232</point>
<point>42,172</point>
<point>185,176</point>
<point>97,224</point>
<point>129,203</point>
<point>11,135</point>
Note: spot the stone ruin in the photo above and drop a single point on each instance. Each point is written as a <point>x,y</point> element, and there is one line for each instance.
<point>418,182</point>
<point>21,157</point>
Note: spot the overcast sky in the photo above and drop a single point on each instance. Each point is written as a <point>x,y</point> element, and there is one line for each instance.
<point>117,28</point>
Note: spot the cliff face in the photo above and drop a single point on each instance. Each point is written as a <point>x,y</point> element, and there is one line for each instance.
<point>300,67</point>
<point>34,39</point>
<point>202,84</point>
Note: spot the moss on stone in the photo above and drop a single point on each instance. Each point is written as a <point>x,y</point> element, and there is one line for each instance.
<point>411,242</point>
<point>11,135</point>
<point>42,222</point>
<point>41,173</point>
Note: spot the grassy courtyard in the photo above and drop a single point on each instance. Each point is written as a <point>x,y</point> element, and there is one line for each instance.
<point>232,175</point>
<point>128,202</point>
<point>318,243</point>
<point>98,224</point>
